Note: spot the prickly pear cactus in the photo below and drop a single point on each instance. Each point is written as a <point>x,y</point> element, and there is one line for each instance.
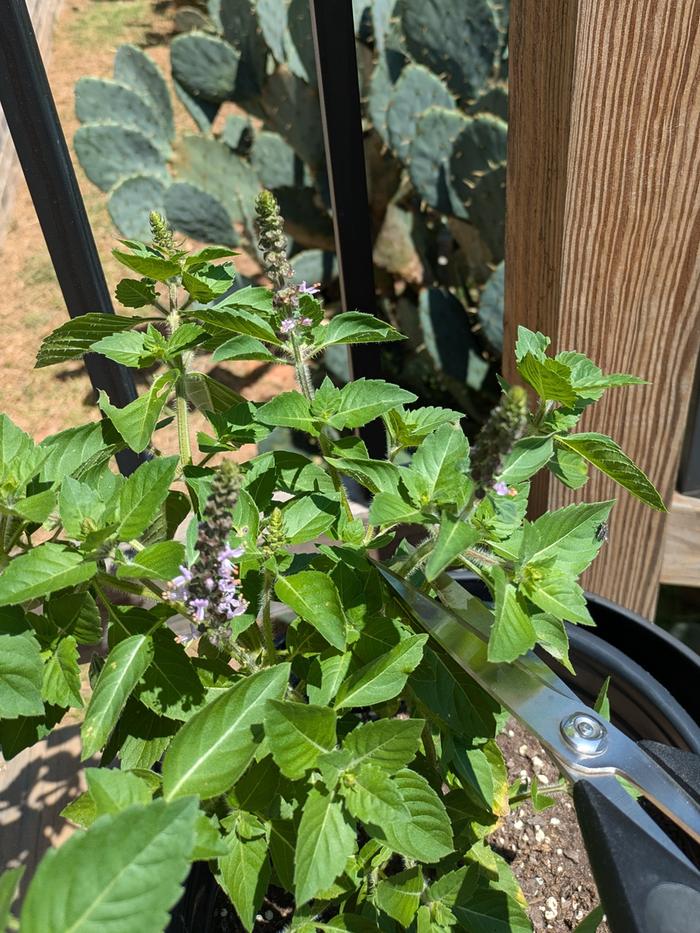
<point>433,82</point>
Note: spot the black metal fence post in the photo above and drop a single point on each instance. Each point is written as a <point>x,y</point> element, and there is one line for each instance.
<point>341,115</point>
<point>36,131</point>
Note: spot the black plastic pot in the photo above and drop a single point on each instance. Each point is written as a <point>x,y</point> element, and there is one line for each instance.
<point>653,677</point>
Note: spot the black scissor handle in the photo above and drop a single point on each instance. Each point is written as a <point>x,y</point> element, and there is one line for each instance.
<point>643,886</point>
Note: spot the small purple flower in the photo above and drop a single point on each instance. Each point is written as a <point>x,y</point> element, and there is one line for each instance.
<point>287,325</point>
<point>306,322</point>
<point>199,606</point>
<point>188,636</point>
<point>305,289</point>
<point>501,488</point>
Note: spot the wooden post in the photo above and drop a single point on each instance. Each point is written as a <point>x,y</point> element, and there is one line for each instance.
<point>603,235</point>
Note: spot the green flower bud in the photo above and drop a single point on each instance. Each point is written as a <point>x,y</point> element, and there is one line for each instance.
<point>271,239</point>
<point>505,425</point>
<point>161,232</point>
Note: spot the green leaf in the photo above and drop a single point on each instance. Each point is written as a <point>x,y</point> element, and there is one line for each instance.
<point>409,428</point>
<point>113,791</point>
<point>427,835</point>
<point>253,297</point>
<point>208,843</point>
<point>325,677</point>
<point>61,680</point>
<point>375,475</point>
<point>152,266</point>
<point>204,281</point>
<point>513,633</point>
<point>566,535</point>
<point>314,597</point>
<point>591,921</point>
<point>238,322</point>
<point>170,686</point>
<point>602,703</point>
<point>383,678</point>
<point>557,594</point>
<point>549,378</point>
<point>308,517</point>
<point>9,882</point>
<point>126,348</point>
<point>399,896</point>
<point>185,337</point>
<point>527,457</point>
<point>441,462</point>
<point>569,468</point>
<point>607,456</point>
<point>540,801</point>
<point>41,571</point>
<point>213,749</point>
<point>364,400</point>
<point>245,875</point>
<point>529,342</point>
<point>134,293</point>
<point>324,843</point>
<point>36,508</point>
<point>243,347</point>
<point>372,796</point>
<point>123,668</point>
<point>551,635</point>
<point>387,508</point>
<point>288,409</point>
<point>454,537</point>
<point>387,743</point>
<point>488,910</point>
<point>137,420</point>
<point>74,338</point>
<point>143,494</point>
<point>354,327</point>
<point>297,734</point>
<point>210,395</point>
<point>76,614</point>
<point>123,874</point>
<point>21,671</point>
<point>159,561</point>
<point>76,503</point>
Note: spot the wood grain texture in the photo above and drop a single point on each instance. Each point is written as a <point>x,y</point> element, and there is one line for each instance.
<point>603,235</point>
<point>681,551</point>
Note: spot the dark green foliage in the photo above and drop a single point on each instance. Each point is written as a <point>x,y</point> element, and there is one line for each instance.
<point>206,66</point>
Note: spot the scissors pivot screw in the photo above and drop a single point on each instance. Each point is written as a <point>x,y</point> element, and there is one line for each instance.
<point>585,734</point>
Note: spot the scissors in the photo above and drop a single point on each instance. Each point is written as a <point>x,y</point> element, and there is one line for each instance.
<point>646,882</point>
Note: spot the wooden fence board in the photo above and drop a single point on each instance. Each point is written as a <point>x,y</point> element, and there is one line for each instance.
<point>603,234</point>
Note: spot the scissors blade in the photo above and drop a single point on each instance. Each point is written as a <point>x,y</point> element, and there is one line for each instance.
<point>543,703</point>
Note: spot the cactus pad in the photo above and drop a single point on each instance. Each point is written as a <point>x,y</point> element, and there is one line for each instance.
<point>491,308</point>
<point>479,148</point>
<point>198,214</point>
<point>415,91</point>
<point>305,218</point>
<point>448,338</point>
<point>95,97</point>
<point>314,265</point>
<point>459,39</point>
<point>135,69</point>
<point>381,12</point>
<point>108,152</point>
<point>237,133</point>
<point>132,200</point>
<point>381,89</point>
<point>291,109</point>
<point>276,164</point>
<point>429,159</point>
<point>272,18</point>
<point>487,209</point>
<point>494,100</point>
<point>205,65</point>
<point>301,37</point>
<point>240,27</point>
<point>210,165</point>
<point>203,112</point>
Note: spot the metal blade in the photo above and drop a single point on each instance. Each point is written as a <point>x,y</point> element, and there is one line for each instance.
<point>543,703</point>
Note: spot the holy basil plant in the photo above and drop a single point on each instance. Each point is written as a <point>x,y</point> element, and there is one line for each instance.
<point>255,698</point>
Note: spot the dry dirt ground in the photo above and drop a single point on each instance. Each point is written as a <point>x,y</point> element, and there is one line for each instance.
<point>86,36</point>
<point>544,849</point>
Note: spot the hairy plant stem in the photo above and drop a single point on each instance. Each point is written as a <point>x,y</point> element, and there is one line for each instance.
<point>413,560</point>
<point>268,635</point>
<point>307,390</point>
<point>548,790</point>
<point>181,411</point>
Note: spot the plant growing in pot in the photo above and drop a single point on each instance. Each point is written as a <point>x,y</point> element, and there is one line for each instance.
<point>345,776</point>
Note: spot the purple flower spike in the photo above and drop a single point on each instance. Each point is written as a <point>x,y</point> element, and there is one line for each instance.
<point>501,488</point>
<point>306,322</point>
<point>199,606</point>
<point>287,325</point>
<point>230,553</point>
<point>305,289</point>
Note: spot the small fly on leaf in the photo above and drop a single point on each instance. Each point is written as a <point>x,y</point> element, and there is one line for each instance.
<point>602,532</point>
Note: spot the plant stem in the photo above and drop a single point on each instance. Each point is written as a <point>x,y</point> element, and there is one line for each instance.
<point>268,635</point>
<point>548,790</point>
<point>412,562</point>
<point>181,412</point>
